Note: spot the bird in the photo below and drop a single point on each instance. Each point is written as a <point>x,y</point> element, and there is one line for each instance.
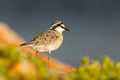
<point>48,40</point>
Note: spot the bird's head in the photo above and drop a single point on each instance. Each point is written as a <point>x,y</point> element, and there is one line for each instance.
<point>58,26</point>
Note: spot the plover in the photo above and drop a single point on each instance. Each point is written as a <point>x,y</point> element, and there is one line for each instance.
<point>48,40</point>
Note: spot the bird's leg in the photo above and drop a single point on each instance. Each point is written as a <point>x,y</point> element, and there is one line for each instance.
<point>37,52</point>
<point>48,59</point>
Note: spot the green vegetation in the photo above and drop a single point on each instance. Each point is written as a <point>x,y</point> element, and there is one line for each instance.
<point>16,65</point>
<point>93,70</point>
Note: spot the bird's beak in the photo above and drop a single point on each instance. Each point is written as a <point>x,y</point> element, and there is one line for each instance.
<point>66,29</point>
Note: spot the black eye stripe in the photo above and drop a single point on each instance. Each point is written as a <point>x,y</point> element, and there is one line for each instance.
<point>58,25</point>
<point>62,27</point>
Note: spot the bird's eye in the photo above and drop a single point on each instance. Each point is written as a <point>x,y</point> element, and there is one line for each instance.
<point>58,25</point>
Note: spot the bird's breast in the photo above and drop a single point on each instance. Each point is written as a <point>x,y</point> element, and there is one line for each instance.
<point>56,44</point>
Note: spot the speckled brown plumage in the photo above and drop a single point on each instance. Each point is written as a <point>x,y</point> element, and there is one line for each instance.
<point>46,41</point>
<point>45,38</point>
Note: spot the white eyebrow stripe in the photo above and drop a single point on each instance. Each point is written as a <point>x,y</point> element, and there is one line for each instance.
<point>63,25</point>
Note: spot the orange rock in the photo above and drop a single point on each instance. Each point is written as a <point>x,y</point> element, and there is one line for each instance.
<point>23,67</point>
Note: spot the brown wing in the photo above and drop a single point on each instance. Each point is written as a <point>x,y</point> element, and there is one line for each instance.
<point>44,38</point>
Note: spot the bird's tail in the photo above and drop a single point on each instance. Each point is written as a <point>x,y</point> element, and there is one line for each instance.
<point>24,44</point>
